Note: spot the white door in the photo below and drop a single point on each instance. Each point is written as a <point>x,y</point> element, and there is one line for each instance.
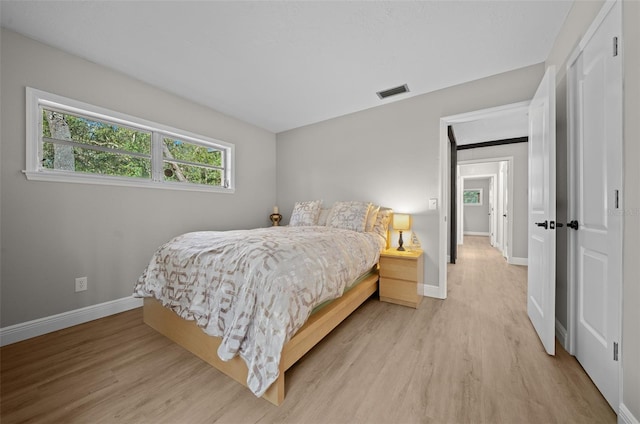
<point>597,109</point>
<point>492,212</point>
<point>541,288</point>
<point>504,216</point>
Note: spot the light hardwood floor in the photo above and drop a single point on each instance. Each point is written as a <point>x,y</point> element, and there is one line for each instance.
<point>473,358</point>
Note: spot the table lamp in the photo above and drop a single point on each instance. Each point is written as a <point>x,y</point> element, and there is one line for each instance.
<point>401,222</point>
<point>275,217</point>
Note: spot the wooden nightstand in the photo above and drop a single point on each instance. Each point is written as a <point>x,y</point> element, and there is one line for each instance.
<point>400,274</point>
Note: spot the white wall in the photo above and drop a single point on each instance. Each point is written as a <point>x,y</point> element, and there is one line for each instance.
<point>54,232</point>
<point>576,24</point>
<point>476,217</point>
<point>389,154</point>
<point>480,168</point>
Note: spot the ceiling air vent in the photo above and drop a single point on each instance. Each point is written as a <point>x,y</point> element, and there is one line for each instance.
<point>393,91</point>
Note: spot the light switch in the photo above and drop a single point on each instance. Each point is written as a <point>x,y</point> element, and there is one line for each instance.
<point>433,203</point>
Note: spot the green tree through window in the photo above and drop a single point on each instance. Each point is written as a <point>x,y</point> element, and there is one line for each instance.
<point>96,147</point>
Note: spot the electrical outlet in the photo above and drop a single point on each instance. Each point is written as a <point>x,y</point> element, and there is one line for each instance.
<point>81,284</point>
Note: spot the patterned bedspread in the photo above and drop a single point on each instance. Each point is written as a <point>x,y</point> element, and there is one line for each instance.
<point>256,288</point>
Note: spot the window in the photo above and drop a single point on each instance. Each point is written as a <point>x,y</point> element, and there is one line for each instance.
<point>72,141</point>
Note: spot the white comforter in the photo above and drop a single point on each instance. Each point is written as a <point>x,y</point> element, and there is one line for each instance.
<point>256,288</point>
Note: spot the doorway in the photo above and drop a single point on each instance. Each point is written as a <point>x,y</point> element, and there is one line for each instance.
<point>490,217</point>
<point>448,179</point>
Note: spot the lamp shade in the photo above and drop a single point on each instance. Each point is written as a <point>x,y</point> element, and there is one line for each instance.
<point>401,221</point>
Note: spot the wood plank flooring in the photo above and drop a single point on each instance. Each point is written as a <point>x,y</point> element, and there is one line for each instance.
<point>472,358</point>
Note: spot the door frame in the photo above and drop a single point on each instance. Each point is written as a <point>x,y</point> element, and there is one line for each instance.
<point>453,202</point>
<point>571,180</point>
<point>445,183</point>
<point>572,195</point>
<point>509,188</point>
<point>492,182</point>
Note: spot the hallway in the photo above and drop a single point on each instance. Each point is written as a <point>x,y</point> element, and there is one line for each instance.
<point>509,358</point>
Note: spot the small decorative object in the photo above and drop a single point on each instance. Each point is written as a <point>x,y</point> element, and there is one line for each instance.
<point>401,222</point>
<point>275,217</point>
<point>415,241</point>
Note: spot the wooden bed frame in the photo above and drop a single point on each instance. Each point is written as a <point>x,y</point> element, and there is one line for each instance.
<point>188,335</point>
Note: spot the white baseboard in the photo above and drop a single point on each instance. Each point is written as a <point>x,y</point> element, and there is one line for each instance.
<point>26,330</point>
<point>518,261</point>
<point>561,335</point>
<point>625,416</point>
<point>476,233</point>
<point>430,291</point>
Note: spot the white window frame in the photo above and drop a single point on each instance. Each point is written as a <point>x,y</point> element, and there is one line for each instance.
<point>38,99</point>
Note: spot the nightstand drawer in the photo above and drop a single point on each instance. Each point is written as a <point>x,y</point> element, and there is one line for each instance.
<point>399,291</point>
<point>403,269</point>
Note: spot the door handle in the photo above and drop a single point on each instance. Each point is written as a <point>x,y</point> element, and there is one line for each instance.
<point>544,224</point>
<point>573,224</point>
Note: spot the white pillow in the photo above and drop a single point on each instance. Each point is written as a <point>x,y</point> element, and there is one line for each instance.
<point>349,216</point>
<point>382,222</point>
<point>305,213</point>
<point>371,217</point>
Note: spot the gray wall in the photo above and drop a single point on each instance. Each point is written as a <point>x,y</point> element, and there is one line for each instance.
<point>389,154</point>
<point>54,232</point>
<point>519,195</point>
<point>631,189</point>
<point>476,218</point>
<point>580,18</point>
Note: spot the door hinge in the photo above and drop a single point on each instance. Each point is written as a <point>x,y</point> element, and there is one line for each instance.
<point>615,46</point>
<point>615,351</point>
<point>617,199</point>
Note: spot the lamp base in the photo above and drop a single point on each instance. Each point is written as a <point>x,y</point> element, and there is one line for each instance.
<point>400,242</point>
<point>275,219</point>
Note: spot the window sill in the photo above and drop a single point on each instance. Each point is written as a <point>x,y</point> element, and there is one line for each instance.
<point>63,177</point>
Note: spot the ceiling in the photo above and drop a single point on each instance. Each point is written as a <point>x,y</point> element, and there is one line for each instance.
<point>281,65</point>
<point>509,124</point>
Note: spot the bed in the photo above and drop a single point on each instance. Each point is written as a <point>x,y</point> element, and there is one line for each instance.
<point>253,302</point>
